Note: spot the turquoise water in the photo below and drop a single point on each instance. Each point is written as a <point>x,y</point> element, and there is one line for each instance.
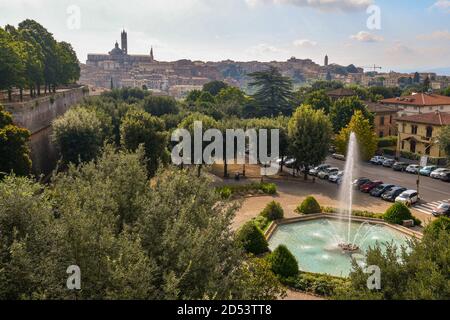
<point>315,243</point>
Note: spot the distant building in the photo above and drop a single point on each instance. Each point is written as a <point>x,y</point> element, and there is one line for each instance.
<point>419,103</point>
<point>341,93</point>
<point>417,134</point>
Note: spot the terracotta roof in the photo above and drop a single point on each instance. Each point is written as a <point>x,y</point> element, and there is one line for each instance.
<point>434,118</point>
<point>419,99</point>
<point>342,92</point>
<point>380,108</point>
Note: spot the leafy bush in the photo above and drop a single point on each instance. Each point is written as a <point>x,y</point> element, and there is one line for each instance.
<point>252,239</point>
<point>268,188</point>
<point>261,222</point>
<point>309,206</point>
<point>248,189</point>
<point>437,226</point>
<point>320,284</point>
<point>273,211</point>
<point>397,213</point>
<point>225,192</point>
<point>283,262</point>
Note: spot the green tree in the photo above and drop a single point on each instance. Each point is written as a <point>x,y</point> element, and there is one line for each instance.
<point>141,128</point>
<point>11,67</point>
<point>274,92</point>
<point>214,87</point>
<point>343,110</point>
<point>283,262</point>
<point>252,239</point>
<point>366,137</point>
<point>310,137</point>
<point>68,66</point>
<point>13,146</point>
<point>319,100</point>
<point>158,106</point>
<point>78,135</point>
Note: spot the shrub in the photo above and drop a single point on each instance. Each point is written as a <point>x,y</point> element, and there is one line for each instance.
<point>283,262</point>
<point>309,206</point>
<point>320,284</point>
<point>273,211</point>
<point>261,222</point>
<point>397,213</point>
<point>437,226</point>
<point>268,188</point>
<point>225,192</point>
<point>386,142</point>
<point>252,239</point>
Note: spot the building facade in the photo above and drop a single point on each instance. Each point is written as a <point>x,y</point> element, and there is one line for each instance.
<point>385,119</point>
<point>418,134</point>
<point>419,103</point>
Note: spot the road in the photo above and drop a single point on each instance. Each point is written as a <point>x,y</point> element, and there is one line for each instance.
<point>432,191</point>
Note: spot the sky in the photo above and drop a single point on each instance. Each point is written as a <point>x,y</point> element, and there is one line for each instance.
<point>400,35</point>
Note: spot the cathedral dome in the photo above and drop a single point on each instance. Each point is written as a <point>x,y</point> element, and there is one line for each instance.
<point>116,51</point>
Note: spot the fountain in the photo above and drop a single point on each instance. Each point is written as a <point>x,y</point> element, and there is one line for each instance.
<point>346,190</point>
<point>330,244</point>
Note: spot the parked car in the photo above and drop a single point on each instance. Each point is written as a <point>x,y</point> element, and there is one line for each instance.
<point>382,188</point>
<point>408,197</point>
<point>445,177</point>
<point>289,163</point>
<point>316,170</point>
<point>426,171</point>
<point>338,156</point>
<point>359,182</point>
<point>335,177</point>
<point>413,168</point>
<point>392,194</point>
<point>377,160</point>
<point>326,173</point>
<point>436,174</point>
<point>400,166</point>
<point>388,163</point>
<point>367,187</point>
<point>442,210</point>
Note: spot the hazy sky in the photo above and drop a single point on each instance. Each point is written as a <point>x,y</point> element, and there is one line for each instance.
<point>414,34</point>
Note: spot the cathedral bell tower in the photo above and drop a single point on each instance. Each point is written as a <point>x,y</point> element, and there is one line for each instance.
<point>124,42</point>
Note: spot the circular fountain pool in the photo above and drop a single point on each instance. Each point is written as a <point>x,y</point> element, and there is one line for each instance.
<point>317,244</point>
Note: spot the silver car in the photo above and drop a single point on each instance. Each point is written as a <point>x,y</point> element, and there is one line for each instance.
<point>325,174</point>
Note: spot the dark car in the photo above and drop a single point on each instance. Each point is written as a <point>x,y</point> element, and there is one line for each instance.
<point>367,187</point>
<point>392,194</point>
<point>359,182</point>
<point>400,166</point>
<point>442,210</point>
<point>446,177</point>
<point>382,188</point>
<point>388,163</point>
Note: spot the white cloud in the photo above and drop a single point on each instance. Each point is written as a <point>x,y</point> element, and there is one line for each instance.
<point>399,49</point>
<point>442,5</point>
<point>323,5</point>
<point>304,43</point>
<point>263,49</point>
<point>436,35</point>
<point>364,36</point>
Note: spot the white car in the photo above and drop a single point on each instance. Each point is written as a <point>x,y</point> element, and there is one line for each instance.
<point>316,170</point>
<point>437,174</point>
<point>326,173</point>
<point>413,168</point>
<point>335,177</point>
<point>378,160</point>
<point>408,197</point>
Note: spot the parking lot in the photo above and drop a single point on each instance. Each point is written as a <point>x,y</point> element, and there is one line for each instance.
<point>432,191</point>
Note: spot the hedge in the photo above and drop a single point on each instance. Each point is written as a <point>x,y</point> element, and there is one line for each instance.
<point>309,206</point>
<point>283,262</point>
<point>247,189</point>
<point>252,239</point>
<point>386,142</point>
<point>437,226</point>
<point>319,284</point>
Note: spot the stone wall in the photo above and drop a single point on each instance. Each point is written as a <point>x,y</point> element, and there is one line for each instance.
<point>37,116</point>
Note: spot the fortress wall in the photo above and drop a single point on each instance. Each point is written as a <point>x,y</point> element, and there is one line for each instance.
<point>37,116</point>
